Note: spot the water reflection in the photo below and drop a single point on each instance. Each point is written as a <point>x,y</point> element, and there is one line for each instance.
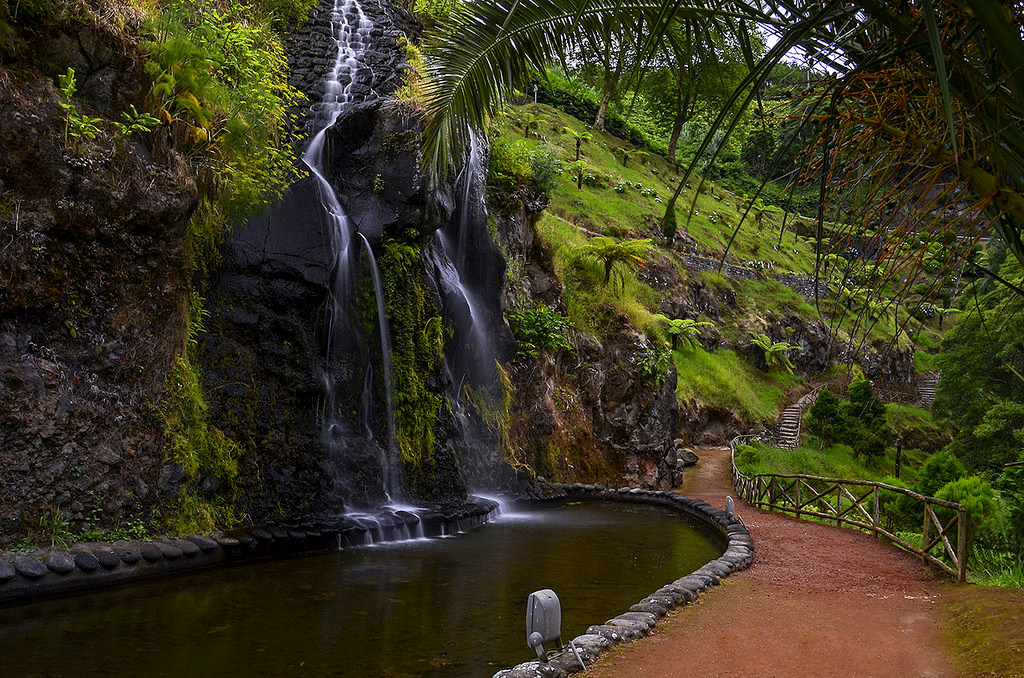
<point>440,607</point>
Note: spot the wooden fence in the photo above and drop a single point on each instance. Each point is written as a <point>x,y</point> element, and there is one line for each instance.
<point>856,503</point>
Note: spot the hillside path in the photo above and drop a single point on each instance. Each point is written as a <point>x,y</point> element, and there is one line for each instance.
<point>817,601</point>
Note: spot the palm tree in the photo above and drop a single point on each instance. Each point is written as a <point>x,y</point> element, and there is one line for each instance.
<point>609,251</point>
<point>685,329</point>
<point>922,105</point>
<point>580,137</point>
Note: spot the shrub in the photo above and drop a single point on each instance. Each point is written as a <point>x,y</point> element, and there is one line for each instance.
<point>978,497</point>
<point>653,363</point>
<point>938,470</point>
<point>510,161</point>
<point>539,330</point>
<point>823,416</point>
<point>546,167</point>
<point>1011,488</point>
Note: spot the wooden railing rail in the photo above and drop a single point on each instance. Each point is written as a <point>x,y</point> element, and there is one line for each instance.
<point>856,503</point>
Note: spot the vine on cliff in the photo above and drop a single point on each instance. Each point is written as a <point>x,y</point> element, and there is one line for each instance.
<point>417,345</point>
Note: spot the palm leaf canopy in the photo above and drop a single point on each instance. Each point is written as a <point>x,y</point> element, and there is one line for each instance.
<point>922,104</point>
<point>489,48</point>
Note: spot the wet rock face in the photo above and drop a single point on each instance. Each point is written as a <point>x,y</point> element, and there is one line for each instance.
<point>589,415</point>
<point>92,297</point>
<point>311,50</point>
<point>264,353</point>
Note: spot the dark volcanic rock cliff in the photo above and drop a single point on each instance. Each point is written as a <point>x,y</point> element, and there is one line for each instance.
<point>93,289</point>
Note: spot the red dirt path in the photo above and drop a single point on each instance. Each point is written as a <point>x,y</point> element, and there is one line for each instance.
<point>817,601</point>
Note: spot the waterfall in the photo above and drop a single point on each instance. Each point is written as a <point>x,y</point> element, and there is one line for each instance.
<point>473,359</point>
<point>463,260</point>
<point>389,463</point>
<point>352,29</point>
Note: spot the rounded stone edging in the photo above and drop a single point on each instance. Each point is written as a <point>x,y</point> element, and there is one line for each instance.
<point>25,577</point>
<point>642,617</point>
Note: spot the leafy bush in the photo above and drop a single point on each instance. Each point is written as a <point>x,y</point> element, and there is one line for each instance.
<point>860,422</point>
<point>978,497</point>
<point>823,416</point>
<point>510,161</point>
<point>653,363</point>
<point>221,84</point>
<point>938,470</point>
<point>539,330</point>
<point>1011,489</point>
<point>546,167</point>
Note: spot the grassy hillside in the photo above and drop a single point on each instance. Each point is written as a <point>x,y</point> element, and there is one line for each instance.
<point>627,201</point>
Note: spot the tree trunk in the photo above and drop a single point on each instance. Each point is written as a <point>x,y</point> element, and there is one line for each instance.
<point>673,139</point>
<point>606,97</point>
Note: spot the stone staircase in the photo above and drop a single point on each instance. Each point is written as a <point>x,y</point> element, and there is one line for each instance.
<point>926,388</point>
<point>789,427</point>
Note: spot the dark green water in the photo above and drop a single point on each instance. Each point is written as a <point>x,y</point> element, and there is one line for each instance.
<point>441,607</point>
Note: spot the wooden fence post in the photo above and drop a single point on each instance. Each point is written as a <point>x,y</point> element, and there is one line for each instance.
<point>874,517</point>
<point>961,545</point>
<point>839,505</point>
<point>924,535</point>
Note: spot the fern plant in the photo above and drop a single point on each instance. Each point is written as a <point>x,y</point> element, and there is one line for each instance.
<point>685,330</point>
<point>579,137</point>
<point>774,352</point>
<point>611,252</point>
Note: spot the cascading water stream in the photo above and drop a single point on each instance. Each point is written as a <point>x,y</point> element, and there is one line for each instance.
<point>475,359</point>
<point>388,462</point>
<point>352,29</point>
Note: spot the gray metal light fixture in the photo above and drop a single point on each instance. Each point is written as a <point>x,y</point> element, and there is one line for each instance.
<point>543,620</point>
<point>544,623</point>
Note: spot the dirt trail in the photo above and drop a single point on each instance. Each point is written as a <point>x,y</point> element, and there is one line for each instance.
<point>817,601</point>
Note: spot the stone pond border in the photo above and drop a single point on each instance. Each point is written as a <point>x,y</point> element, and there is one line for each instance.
<point>641,618</point>
<point>26,577</point>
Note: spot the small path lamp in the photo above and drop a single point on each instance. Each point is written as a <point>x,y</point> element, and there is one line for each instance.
<point>544,623</point>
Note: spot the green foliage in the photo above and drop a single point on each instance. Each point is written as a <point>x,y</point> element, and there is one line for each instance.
<point>133,122</point>
<point>540,329</point>
<point>1011,490</point>
<point>860,422</point>
<point>76,126</point>
<point>509,162</point>
<point>977,497</point>
<point>823,417</point>
<point>981,392</point>
<point>579,167</point>
<point>939,470</point>
<point>545,168</point>
<point>516,164</point>
<point>55,528</point>
<point>198,447</point>
<point>654,363</point>
<point>221,82</point>
<point>686,330</point>
<point>774,352</point>
<point>417,333</point>
<point>997,567</point>
<point>611,252</point>
<point>433,12</point>
<point>579,138</point>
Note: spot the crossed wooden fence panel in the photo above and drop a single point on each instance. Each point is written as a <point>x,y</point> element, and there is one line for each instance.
<point>856,503</point>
